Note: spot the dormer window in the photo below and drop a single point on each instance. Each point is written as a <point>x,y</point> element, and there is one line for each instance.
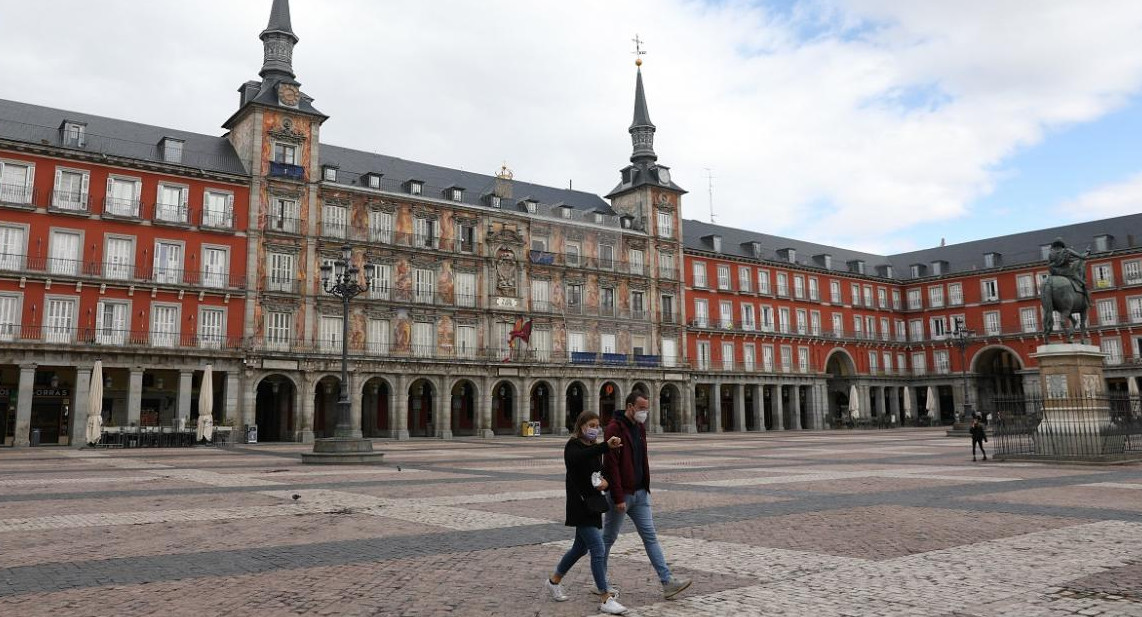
<point>599,217</point>
<point>824,260</point>
<point>329,173</point>
<point>172,149</point>
<point>755,249</point>
<point>530,206</point>
<point>415,187</point>
<point>857,266</point>
<point>788,254</point>
<point>917,270</point>
<point>455,193</point>
<point>937,268</point>
<point>73,134</point>
<point>373,181</point>
<point>717,242</point>
<point>990,260</point>
<point>1103,242</point>
<point>565,211</point>
<point>494,201</point>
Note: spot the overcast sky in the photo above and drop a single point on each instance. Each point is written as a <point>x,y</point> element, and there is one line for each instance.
<point>879,125</point>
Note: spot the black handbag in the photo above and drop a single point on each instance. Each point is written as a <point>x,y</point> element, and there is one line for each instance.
<point>597,503</point>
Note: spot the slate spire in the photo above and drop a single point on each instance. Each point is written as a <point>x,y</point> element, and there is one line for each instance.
<point>641,129</point>
<point>278,40</point>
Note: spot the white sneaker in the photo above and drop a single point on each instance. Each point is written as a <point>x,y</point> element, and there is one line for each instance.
<point>556,591</point>
<point>612,607</point>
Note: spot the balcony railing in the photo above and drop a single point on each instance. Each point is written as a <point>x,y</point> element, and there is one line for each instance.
<point>69,201</point>
<point>18,194</point>
<point>286,170</point>
<point>118,207</point>
<point>127,273</point>
<point>282,224</point>
<point>178,214</point>
<point>217,219</point>
<point>112,337</point>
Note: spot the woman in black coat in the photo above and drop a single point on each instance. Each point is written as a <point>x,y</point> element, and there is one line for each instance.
<point>583,456</point>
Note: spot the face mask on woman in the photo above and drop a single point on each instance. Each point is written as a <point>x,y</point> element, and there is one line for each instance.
<point>591,433</point>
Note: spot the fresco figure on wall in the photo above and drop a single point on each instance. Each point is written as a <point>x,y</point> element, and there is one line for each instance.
<point>402,333</point>
<point>445,285</point>
<point>403,281</point>
<point>445,334</point>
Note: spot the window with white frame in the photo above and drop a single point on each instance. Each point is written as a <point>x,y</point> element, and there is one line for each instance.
<point>703,358</point>
<point>171,205</point>
<point>215,266</point>
<point>279,330</point>
<point>919,363</point>
<point>1102,276</point>
<point>803,359</point>
<point>574,299</point>
<point>767,322</point>
<point>378,336</point>
<point>858,326</point>
<point>782,284</point>
<point>218,209</point>
<point>901,331</point>
<point>901,364</point>
<point>284,216</point>
<point>885,330</point>
<point>425,233</point>
<point>168,262</point>
<point>726,314</point>
<point>699,271</point>
<point>466,342</point>
<point>701,313</point>
<point>64,249</point>
<point>745,278</point>
<point>665,225</point>
<point>887,358</point>
<point>882,297</point>
<point>873,362</point>
<point>783,320</point>
<point>423,339</point>
<point>607,301</point>
<point>13,247</point>
<point>786,359</point>
<point>381,226</point>
<point>914,302</point>
<point>1024,286</point>
<point>815,323</point>
<point>915,330</point>
<point>380,279</point>
<point>211,327</point>
<point>763,282</point>
<point>723,276</point>
<point>1112,347</point>
<point>466,289</point>
<point>665,265</point>
<point>59,320</point>
<point>638,305</point>
<point>896,299</point>
<point>955,294</point>
<point>748,323</point>
<point>802,321</point>
<point>767,358</point>
<point>285,153</point>
<point>867,295</point>
<point>334,221</point>
<point>637,261</point>
<point>938,326</point>
<point>854,294</point>
<point>936,296</point>
<point>989,290</point>
<point>122,196</point>
<point>727,356</point>
<point>16,179</point>
<point>838,325</point>
<point>540,295</point>
<point>111,322</point>
<point>814,291</point>
<point>798,287</point>
<point>835,292</point>
<point>749,357</point>
<point>164,325</point>
<point>541,345</point>
<point>1029,319</point>
<point>71,189</point>
<point>870,326</point>
<point>10,313</point>
<point>281,272</point>
<point>669,349</point>
<point>940,362</point>
<point>424,285</point>
<point>1107,312</point>
<point>606,256</point>
<point>1134,309</point>
<point>991,325</point>
<point>1132,272</point>
<point>608,343</point>
<point>466,237</point>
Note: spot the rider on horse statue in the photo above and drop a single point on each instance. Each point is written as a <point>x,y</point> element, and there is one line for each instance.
<point>1068,263</point>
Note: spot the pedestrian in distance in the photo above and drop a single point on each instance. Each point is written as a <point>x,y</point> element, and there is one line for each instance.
<point>583,458</point>
<point>628,471</point>
<point>978,437</point>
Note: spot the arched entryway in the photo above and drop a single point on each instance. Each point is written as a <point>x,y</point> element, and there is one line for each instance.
<point>540,405</point>
<point>727,419</point>
<point>375,397</point>
<point>669,408</point>
<point>702,394</point>
<point>997,374</point>
<point>503,408</point>
<point>325,396</point>
<point>575,393</point>
<point>274,408</point>
<point>463,406</point>
<point>609,400</point>
<point>841,372</point>
<point>421,395</point>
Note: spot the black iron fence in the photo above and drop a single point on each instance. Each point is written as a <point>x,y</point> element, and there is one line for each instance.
<point>1096,428</point>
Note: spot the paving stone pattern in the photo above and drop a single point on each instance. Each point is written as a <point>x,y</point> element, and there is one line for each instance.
<point>821,524</point>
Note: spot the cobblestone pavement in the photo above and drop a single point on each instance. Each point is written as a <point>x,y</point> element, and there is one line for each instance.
<point>845,524</point>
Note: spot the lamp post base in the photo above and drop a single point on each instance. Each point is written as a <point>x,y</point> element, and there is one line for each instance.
<point>342,451</point>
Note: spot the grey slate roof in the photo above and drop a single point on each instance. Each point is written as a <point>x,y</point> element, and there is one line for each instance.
<point>34,124</point>
<point>1014,249</point>
<point>352,164</point>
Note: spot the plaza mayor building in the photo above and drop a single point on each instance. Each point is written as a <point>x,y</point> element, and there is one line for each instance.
<point>490,301</point>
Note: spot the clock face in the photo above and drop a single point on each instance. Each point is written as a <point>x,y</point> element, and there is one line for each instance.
<point>664,175</point>
<point>288,94</point>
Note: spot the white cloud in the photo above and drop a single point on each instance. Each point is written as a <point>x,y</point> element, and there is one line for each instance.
<point>809,118</point>
<point>1115,199</point>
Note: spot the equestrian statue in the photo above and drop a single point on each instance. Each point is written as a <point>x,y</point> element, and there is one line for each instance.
<point>1064,290</point>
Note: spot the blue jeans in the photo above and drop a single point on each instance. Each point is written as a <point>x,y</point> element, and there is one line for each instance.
<point>638,509</point>
<point>587,538</point>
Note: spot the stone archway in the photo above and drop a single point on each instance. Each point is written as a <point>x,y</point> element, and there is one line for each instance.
<point>503,408</point>
<point>610,396</point>
<point>997,373</point>
<point>463,406</point>
<point>540,405</point>
<point>326,392</point>
<point>274,408</point>
<point>421,396</point>
<point>576,392</point>
<point>670,409</point>
<point>376,396</point>
<point>841,371</point>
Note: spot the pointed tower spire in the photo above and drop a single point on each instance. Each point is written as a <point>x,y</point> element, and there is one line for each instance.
<point>278,40</point>
<point>641,129</point>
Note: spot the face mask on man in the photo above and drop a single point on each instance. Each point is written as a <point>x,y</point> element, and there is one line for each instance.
<point>640,416</point>
<point>591,434</point>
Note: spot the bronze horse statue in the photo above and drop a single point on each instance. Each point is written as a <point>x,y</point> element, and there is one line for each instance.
<point>1059,295</point>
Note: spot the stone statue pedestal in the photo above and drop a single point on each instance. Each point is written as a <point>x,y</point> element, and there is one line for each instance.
<point>1076,414</point>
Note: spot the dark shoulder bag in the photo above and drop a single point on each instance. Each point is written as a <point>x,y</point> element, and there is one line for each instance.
<point>597,503</point>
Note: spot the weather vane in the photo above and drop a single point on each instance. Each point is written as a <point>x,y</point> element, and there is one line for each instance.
<point>638,50</point>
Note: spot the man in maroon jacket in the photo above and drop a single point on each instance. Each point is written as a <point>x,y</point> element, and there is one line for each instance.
<point>628,474</point>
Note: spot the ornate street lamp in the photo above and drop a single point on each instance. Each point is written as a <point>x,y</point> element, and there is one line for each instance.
<point>962,336</point>
<point>340,279</point>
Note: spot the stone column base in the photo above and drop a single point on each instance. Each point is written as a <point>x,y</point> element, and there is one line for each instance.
<point>444,434</point>
<point>303,436</point>
<point>401,434</point>
<point>485,433</point>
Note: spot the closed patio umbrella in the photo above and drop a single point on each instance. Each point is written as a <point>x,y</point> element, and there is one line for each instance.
<point>854,402</point>
<point>907,403</point>
<point>932,406</point>
<point>95,404</point>
<point>205,426</point>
